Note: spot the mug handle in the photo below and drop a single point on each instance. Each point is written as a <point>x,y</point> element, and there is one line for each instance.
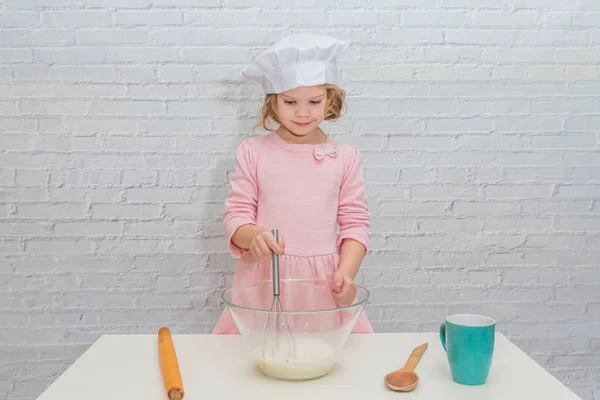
<point>443,335</point>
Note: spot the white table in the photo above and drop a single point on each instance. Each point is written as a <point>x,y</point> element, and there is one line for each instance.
<point>218,367</point>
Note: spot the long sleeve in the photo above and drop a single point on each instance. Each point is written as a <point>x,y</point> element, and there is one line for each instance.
<point>353,212</point>
<point>241,202</point>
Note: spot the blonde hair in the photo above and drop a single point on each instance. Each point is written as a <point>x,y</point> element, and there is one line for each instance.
<point>336,100</point>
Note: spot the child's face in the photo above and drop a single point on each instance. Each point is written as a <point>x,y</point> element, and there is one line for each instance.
<point>302,109</point>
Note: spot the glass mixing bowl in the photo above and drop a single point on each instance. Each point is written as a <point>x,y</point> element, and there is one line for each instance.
<point>305,339</point>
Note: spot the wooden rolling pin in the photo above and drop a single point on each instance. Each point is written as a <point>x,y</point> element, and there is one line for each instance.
<point>169,367</point>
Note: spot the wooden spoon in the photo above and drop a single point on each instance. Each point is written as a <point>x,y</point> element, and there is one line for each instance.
<point>405,379</point>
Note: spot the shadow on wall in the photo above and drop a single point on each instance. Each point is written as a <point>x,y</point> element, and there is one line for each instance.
<point>229,130</point>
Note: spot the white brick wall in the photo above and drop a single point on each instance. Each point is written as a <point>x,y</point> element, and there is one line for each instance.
<point>478,121</point>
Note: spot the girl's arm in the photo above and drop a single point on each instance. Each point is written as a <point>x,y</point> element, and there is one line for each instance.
<point>353,216</point>
<point>239,214</point>
<point>351,257</point>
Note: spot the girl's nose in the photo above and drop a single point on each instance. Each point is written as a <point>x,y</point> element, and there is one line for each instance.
<point>301,111</point>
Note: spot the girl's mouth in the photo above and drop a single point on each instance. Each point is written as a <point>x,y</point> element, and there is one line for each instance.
<point>302,123</point>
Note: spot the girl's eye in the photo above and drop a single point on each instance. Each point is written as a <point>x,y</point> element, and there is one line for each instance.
<point>316,102</point>
<point>289,102</point>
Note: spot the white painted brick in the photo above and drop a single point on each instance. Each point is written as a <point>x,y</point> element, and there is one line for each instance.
<point>519,55</point>
<point>192,211</point>
<point>517,191</point>
<point>523,124</point>
<point>408,36</point>
<point>481,37</point>
<point>50,211</point>
<point>140,54</point>
<point>85,55</point>
<point>55,107</point>
<point>450,18</point>
<point>89,90</point>
<point>459,125</point>
<point>547,72</point>
<point>472,73</point>
<point>417,175</point>
<point>24,37</point>
<point>292,18</point>
<point>23,229</point>
<point>187,3</point>
<point>578,191</point>
<point>487,242</point>
<point>177,178</point>
<point>7,177</point>
<point>172,91</point>
<point>487,4</point>
<point>437,225</point>
<point>133,178</point>
<point>79,18</point>
<point>587,224</point>
<point>10,246</point>
<point>129,211</point>
<point>151,18</point>
<point>490,141</point>
<point>582,158</point>
<point>443,192</point>
<point>584,275</point>
<point>18,19</point>
<point>362,18</point>
<point>54,246</point>
<point>532,276</point>
<point>220,17</point>
<point>126,246</point>
<point>90,228</point>
<point>23,195</point>
<point>585,174</point>
<point>453,175</point>
<point>131,35</point>
<point>102,74</point>
<point>576,55</point>
<point>583,73</point>
<point>438,53</point>
<point>590,123</point>
<point>401,4</point>
<point>558,241</point>
<point>521,18</point>
<point>216,55</point>
<point>15,142</point>
<point>157,195</point>
<point>477,208</point>
<point>160,228</point>
<point>8,55</point>
<point>127,107</point>
<point>559,106</point>
<point>26,90</point>
<point>200,107</point>
<point>381,174</point>
<point>400,208</point>
<point>175,125</point>
<point>574,207</point>
<point>176,73</point>
<point>518,225</point>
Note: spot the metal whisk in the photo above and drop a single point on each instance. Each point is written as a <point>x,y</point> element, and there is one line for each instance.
<point>275,347</point>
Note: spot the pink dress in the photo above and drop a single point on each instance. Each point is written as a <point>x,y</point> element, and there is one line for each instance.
<point>305,191</point>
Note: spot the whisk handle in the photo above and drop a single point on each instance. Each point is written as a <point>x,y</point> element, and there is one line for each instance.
<point>275,265</point>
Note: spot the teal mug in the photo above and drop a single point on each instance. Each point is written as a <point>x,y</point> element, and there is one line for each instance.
<point>468,340</point>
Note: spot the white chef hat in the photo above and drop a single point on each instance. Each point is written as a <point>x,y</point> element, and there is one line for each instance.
<point>298,60</point>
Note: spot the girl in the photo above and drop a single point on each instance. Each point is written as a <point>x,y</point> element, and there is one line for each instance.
<point>297,179</point>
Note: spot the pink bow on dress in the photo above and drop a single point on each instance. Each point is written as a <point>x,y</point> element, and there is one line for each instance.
<point>323,150</point>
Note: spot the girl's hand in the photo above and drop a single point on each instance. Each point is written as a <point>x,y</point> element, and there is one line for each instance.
<point>263,244</point>
<point>343,289</point>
